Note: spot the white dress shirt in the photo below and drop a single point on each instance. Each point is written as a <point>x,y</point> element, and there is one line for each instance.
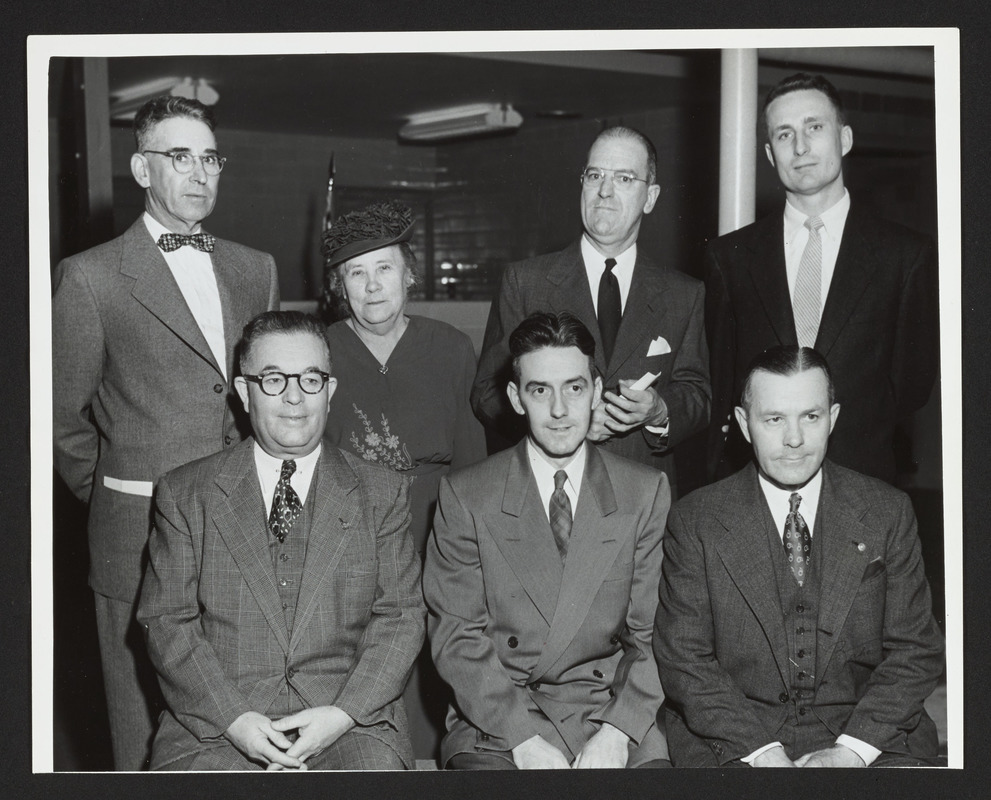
<point>797,236</point>
<point>779,503</point>
<point>269,469</point>
<point>193,271</point>
<point>595,265</point>
<point>543,473</point>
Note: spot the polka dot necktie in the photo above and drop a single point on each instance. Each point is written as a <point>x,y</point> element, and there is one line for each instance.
<point>559,512</point>
<point>173,241</point>
<point>797,540</point>
<point>285,505</point>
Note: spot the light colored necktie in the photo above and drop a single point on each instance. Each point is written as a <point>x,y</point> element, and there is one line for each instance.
<point>807,302</point>
<point>797,539</point>
<point>559,511</point>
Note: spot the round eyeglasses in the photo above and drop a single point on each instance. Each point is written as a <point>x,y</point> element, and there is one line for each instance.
<point>274,383</point>
<point>183,161</point>
<point>593,177</point>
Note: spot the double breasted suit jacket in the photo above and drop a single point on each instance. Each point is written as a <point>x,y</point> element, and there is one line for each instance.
<point>137,390</point>
<point>879,331</point>
<point>213,616</point>
<point>661,303</point>
<point>720,636</point>
<point>533,647</point>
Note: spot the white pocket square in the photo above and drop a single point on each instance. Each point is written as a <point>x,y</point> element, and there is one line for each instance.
<point>658,347</point>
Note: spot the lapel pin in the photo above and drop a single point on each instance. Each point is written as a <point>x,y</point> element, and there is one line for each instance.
<point>861,547</point>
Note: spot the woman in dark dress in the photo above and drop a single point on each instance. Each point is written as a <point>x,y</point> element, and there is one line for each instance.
<point>402,392</point>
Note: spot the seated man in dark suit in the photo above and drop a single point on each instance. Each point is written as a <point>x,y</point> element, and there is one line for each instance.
<point>282,601</point>
<point>795,623</point>
<point>541,580</point>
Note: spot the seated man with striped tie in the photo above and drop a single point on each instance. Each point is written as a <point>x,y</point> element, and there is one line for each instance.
<point>282,604</point>
<point>541,580</point>
<point>795,624</point>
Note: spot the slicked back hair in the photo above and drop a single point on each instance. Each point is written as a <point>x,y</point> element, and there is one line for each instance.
<point>159,109</point>
<point>796,83</point>
<point>786,360</point>
<point>547,329</point>
<point>625,132</point>
<point>279,322</point>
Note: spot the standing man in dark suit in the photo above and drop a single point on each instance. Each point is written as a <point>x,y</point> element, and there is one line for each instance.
<point>827,273</point>
<point>646,320</point>
<point>282,601</point>
<point>144,328</point>
<point>541,580</point>
<point>795,623</point>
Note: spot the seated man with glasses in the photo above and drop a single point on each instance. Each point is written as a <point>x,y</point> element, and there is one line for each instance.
<point>646,318</point>
<point>282,604</point>
<point>143,331</point>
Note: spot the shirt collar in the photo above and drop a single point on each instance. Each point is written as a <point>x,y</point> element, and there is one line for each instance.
<point>625,260</point>
<point>778,500</point>
<point>156,228</point>
<point>833,218</point>
<point>269,463</point>
<point>543,470</point>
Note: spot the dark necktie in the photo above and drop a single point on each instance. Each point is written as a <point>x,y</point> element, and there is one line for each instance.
<point>797,540</point>
<point>173,241</point>
<point>285,505</point>
<point>610,309</point>
<point>560,513</point>
<point>807,302</point>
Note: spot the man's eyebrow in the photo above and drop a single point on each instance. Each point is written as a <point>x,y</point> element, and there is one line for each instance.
<point>210,151</point>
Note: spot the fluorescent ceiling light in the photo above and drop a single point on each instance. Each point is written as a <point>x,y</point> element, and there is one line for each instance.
<point>460,121</point>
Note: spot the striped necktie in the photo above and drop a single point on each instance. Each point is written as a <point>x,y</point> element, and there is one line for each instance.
<point>559,511</point>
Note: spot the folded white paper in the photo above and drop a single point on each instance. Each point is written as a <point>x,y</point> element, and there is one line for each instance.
<point>645,381</point>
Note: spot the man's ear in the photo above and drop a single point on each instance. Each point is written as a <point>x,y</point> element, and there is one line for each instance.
<point>139,169</point>
<point>770,154</point>
<point>514,397</point>
<point>741,420</point>
<point>846,139</point>
<point>596,391</point>
<point>653,192</point>
<point>241,386</point>
<point>834,412</point>
<point>331,388</point>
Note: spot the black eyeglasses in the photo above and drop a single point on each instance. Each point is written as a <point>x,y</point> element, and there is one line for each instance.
<point>183,161</point>
<point>274,383</point>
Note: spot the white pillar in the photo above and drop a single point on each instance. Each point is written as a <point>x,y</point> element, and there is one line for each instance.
<point>737,139</point>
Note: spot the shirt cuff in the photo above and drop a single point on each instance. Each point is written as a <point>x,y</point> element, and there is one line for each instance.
<point>750,759</point>
<point>867,752</point>
<point>660,430</point>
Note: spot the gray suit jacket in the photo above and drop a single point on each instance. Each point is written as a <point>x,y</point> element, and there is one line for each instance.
<point>533,647</point>
<point>661,302</point>
<point>215,627</point>
<point>137,391</point>
<point>720,640</point>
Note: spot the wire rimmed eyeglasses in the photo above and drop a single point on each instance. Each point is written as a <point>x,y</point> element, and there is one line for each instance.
<point>183,161</point>
<point>593,177</point>
<point>274,383</point>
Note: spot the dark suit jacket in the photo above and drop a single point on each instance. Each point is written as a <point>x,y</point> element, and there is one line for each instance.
<point>137,391</point>
<point>720,638</point>
<point>661,302</point>
<point>879,331</point>
<point>528,646</point>
<point>215,627</point>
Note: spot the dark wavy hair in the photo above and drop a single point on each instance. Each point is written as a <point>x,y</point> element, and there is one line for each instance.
<point>279,322</point>
<point>546,329</point>
<point>786,360</point>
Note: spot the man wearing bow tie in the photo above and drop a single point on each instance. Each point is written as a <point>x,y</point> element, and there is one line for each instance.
<point>144,328</point>
<point>282,602</point>
<point>795,623</point>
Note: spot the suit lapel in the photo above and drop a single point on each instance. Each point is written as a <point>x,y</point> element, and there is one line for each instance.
<point>644,302</point>
<point>743,550</point>
<point>839,531</point>
<point>766,266</point>
<point>570,292</point>
<point>522,534</point>
<point>336,509</point>
<point>241,523</point>
<point>855,266</point>
<point>155,288</point>
<point>235,303</point>
<point>592,550</point>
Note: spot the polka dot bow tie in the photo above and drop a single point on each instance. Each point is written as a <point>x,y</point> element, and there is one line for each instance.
<point>173,241</point>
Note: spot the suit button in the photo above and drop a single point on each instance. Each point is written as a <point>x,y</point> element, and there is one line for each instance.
<point>597,673</point>
<point>291,671</point>
<point>228,439</point>
<point>783,697</point>
<point>614,639</point>
<point>535,685</point>
<point>802,675</point>
<point>285,557</point>
<point>512,641</point>
<point>800,608</point>
<point>801,712</point>
<point>801,654</point>
<point>218,388</point>
<point>799,631</point>
<point>484,737</point>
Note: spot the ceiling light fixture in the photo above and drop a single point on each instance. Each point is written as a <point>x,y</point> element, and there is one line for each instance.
<point>461,122</point>
<point>124,104</point>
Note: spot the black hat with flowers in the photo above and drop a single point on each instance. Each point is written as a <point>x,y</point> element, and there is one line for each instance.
<point>372,228</point>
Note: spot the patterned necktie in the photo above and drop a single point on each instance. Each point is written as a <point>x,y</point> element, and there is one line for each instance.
<point>560,513</point>
<point>807,302</point>
<point>610,308</point>
<point>797,539</point>
<point>173,241</point>
<point>285,505</point>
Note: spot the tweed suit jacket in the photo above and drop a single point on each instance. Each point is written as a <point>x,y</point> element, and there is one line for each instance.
<point>720,639</point>
<point>533,647</point>
<point>661,302</point>
<point>879,332</point>
<point>137,390</point>
<point>213,617</point>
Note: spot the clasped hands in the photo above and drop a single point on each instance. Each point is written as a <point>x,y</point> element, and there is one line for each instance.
<point>628,409</point>
<point>607,748</point>
<point>836,756</point>
<point>264,740</point>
